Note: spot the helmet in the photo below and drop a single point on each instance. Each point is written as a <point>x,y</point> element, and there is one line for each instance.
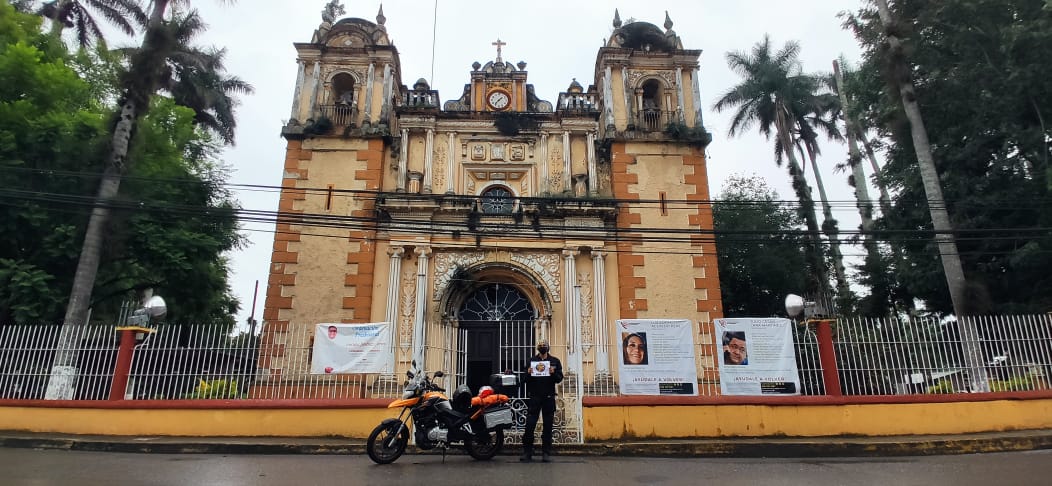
<point>485,391</point>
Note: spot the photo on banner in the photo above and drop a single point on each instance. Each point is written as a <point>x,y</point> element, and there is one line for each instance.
<point>352,348</point>
<point>657,357</point>
<point>757,357</point>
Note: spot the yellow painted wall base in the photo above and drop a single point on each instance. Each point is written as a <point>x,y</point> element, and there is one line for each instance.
<point>601,423</point>
<point>607,423</point>
<point>196,422</point>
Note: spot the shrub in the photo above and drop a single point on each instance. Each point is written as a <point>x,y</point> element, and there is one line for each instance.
<point>214,389</point>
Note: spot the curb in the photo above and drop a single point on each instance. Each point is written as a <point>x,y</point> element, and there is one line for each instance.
<point>734,447</point>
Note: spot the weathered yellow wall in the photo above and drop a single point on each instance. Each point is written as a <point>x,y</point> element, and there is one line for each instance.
<point>196,423</point>
<point>600,423</point>
<point>606,423</point>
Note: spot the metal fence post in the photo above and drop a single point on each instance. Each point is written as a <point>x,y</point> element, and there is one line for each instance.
<point>827,357</point>
<point>123,367</point>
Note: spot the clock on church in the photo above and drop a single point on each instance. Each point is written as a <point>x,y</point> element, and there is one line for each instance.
<point>498,99</point>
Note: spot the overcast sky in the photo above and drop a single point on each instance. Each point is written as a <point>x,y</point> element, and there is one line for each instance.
<point>558,40</point>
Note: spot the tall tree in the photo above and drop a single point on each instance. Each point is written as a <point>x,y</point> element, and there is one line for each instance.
<point>818,114</point>
<point>771,87</point>
<point>948,253</point>
<point>77,14</point>
<point>150,69</point>
<point>759,242</point>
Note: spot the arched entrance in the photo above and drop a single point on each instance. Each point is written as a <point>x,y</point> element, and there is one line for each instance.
<point>498,319</point>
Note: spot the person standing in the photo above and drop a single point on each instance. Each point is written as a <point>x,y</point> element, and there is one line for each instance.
<point>543,372</point>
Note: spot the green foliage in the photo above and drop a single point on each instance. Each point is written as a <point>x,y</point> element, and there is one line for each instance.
<point>1018,383</point>
<point>214,389</point>
<point>759,249</point>
<point>53,141</point>
<point>990,136</point>
<point>942,386</point>
<point>696,136</point>
<point>321,126</point>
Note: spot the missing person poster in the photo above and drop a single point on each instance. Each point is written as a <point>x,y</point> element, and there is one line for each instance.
<point>657,357</point>
<point>352,348</point>
<point>757,357</point>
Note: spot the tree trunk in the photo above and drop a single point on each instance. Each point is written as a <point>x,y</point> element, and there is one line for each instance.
<point>885,199</point>
<point>829,228</point>
<point>944,237</point>
<point>64,369</point>
<point>819,276</point>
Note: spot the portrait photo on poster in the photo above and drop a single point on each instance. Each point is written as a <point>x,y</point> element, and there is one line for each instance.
<point>634,348</point>
<point>735,351</point>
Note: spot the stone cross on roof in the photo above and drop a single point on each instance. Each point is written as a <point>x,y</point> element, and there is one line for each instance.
<point>499,44</point>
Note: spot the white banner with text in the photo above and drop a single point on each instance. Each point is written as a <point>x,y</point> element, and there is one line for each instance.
<point>657,357</point>
<point>352,348</point>
<point>757,357</point>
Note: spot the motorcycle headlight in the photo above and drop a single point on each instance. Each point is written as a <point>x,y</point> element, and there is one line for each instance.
<point>408,394</point>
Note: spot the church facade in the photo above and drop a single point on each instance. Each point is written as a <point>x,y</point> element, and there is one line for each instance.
<point>479,225</point>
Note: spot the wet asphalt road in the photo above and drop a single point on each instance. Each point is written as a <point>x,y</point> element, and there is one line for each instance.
<point>57,467</point>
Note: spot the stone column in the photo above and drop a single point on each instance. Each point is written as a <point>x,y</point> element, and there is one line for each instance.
<point>403,161</point>
<point>570,302</point>
<point>679,94</point>
<point>608,99</point>
<point>567,175</point>
<point>314,85</point>
<point>369,80</point>
<point>602,340</point>
<point>630,109</point>
<point>699,121</point>
<point>301,75</point>
<point>420,320</point>
<point>542,156</point>
<point>385,106</point>
<point>593,177</point>
<point>429,159</point>
<point>451,157</point>
<point>393,287</point>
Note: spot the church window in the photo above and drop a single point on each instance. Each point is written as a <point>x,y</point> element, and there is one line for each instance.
<point>497,200</point>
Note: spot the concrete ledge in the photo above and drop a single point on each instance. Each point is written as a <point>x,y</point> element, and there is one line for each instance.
<point>752,448</point>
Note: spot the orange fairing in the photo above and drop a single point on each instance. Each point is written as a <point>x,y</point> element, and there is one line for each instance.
<point>405,402</point>
<point>434,394</point>
<point>494,399</point>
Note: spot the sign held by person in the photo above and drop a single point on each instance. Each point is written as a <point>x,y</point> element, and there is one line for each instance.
<point>352,348</point>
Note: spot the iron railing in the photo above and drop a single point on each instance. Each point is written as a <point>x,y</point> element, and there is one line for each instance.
<point>873,357</point>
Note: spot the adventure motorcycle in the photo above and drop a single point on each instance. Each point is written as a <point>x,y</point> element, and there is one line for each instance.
<point>476,422</point>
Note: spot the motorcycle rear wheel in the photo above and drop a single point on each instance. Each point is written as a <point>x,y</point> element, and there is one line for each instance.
<point>382,447</point>
<point>482,449</point>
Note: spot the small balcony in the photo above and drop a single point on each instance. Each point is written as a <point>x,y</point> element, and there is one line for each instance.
<point>578,103</point>
<point>341,115</point>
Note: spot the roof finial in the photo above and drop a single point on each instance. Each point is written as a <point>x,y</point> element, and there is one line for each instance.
<point>668,21</point>
<point>380,19</point>
<point>499,44</point>
<point>617,19</point>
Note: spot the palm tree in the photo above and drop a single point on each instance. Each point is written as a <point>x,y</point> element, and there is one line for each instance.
<point>940,218</point>
<point>819,112</point>
<point>153,66</point>
<point>77,14</point>
<point>771,88</point>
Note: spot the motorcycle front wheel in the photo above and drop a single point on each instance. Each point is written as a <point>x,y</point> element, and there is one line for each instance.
<point>484,449</point>
<point>383,446</point>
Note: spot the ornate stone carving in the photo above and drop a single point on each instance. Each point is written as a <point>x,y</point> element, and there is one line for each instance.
<point>446,265</point>
<point>555,169</point>
<point>518,151</point>
<point>496,151</point>
<point>546,266</point>
<point>524,187</point>
<point>438,176</point>
<point>478,151</point>
<point>405,328</point>
<point>587,327</point>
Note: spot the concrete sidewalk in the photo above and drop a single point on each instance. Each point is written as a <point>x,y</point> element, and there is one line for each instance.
<point>724,447</point>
